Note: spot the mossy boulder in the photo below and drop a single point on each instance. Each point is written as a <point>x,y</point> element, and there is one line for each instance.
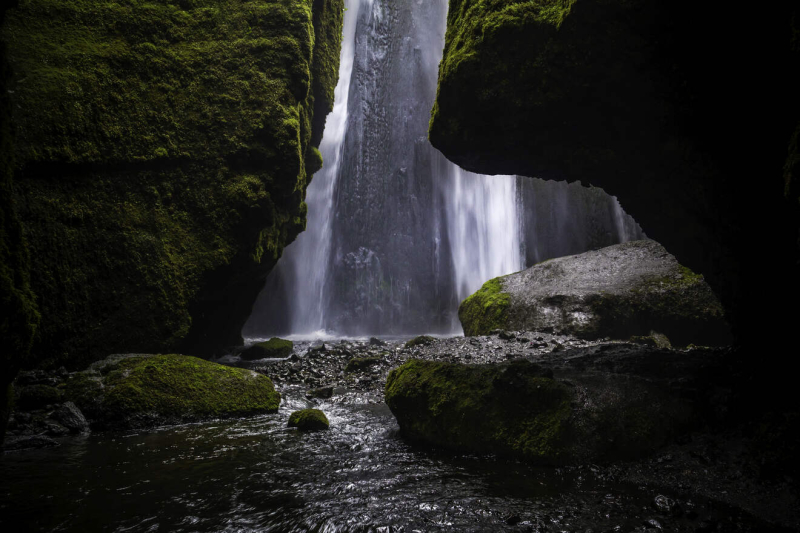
<point>134,391</point>
<point>37,396</point>
<point>517,409</point>
<point>359,364</point>
<point>274,348</point>
<point>630,289</point>
<point>309,420</point>
<point>420,340</point>
<point>162,154</point>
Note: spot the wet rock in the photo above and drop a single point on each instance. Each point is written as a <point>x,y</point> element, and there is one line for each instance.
<point>37,396</point>
<point>664,504</point>
<point>361,363</point>
<point>28,441</point>
<point>618,291</point>
<point>69,416</point>
<point>506,336</point>
<point>309,420</point>
<point>274,348</point>
<point>517,409</point>
<point>54,429</point>
<point>139,391</point>
<point>421,340</point>
<point>321,392</point>
<point>374,341</point>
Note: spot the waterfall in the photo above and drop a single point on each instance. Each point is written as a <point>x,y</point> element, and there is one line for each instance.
<point>397,236</point>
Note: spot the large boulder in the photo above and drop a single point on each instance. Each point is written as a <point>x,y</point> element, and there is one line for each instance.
<point>274,348</point>
<point>162,153</point>
<point>135,391</point>
<point>602,408</point>
<point>620,291</point>
<point>661,104</point>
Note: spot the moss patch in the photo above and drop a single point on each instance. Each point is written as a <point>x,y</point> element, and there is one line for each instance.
<point>147,390</point>
<point>164,150</point>
<point>513,409</point>
<point>359,364</point>
<point>421,340</point>
<point>273,348</point>
<point>309,420</point>
<point>486,310</point>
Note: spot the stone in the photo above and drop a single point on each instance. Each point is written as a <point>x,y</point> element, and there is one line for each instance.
<point>629,289</point>
<point>358,364</point>
<point>421,340</point>
<point>69,416</point>
<point>309,420</point>
<point>274,348</point>
<point>321,392</point>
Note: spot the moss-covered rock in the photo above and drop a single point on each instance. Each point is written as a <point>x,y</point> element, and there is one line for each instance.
<point>37,396</point>
<point>517,409</point>
<point>163,151</point>
<point>147,390</point>
<point>420,340</point>
<point>485,310</point>
<point>309,420</point>
<point>274,348</point>
<point>629,289</point>
<point>359,364</point>
<point>636,97</point>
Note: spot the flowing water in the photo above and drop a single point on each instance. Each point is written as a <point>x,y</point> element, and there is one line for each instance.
<point>397,235</point>
<point>258,475</point>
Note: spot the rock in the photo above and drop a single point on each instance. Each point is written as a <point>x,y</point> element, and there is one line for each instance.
<point>37,396</point>
<point>69,416</point>
<point>309,420</point>
<point>139,391</point>
<point>517,409</point>
<point>618,291</point>
<point>506,336</point>
<point>54,429</point>
<point>422,340</point>
<point>274,348</point>
<point>321,392</point>
<point>374,341</point>
<point>28,442</point>
<point>361,363</point>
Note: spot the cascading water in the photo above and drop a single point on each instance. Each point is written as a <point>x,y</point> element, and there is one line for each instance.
<point>397,235</point>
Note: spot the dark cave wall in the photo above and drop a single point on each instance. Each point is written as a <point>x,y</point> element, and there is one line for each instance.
<point>162,153</point>
<point>683,111</point>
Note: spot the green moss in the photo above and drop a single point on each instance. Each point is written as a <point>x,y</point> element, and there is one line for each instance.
<point>421,340</point>
<point>273,348</point>
<point>358,364</point>
<point>309,420</point>
<point>486,310</point>
<point>37,396</point>
<point>513,409</point>
<point>165,149</point>
<point>155,389</point>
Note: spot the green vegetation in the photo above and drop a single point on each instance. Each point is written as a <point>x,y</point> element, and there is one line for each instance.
<point>421,340</point>
<point>513,409</point>
<point>486,310</point>
<point>146,390</point>
<point>309,420</point>
<point>164,150</point>
<point>274,348</point>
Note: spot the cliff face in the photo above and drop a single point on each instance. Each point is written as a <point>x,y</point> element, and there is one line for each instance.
<point>162,153</point>
<point>682,111</point>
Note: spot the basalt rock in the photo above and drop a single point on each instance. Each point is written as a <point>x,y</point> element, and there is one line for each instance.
<point>524,410</point>
<point>620,291</point>
<point>661,104</point>
<point>161,158</point>
<point>140,391</point>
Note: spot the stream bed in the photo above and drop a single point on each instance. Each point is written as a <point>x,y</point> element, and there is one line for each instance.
<point>258,475</point>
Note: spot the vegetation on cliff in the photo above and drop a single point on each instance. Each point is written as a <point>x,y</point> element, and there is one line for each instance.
<point>163,151</point>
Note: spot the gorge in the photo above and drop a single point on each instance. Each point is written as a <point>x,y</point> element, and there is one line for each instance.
<point>183,179</point>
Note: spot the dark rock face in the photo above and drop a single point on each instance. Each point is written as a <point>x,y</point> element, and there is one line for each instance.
<point>69,416</point>
<point>662,108</point>
<point>162,170</point>
<point>619,291</point>
<point>518,409</point>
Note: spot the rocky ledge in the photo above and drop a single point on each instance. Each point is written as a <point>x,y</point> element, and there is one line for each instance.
<point>630,289</point>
